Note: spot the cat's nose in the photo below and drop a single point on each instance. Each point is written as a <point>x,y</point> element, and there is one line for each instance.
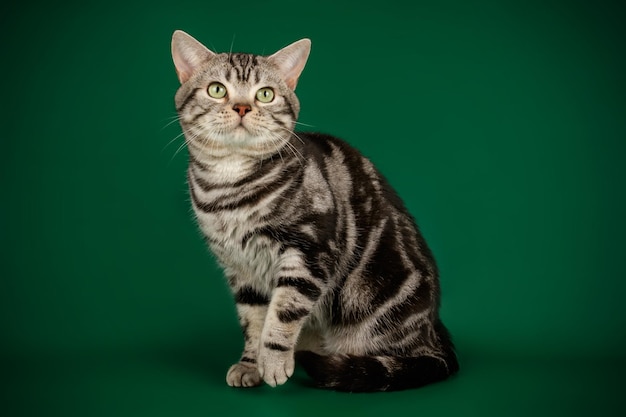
<point>242,109</point>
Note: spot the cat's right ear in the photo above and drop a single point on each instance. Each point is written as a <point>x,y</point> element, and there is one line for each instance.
<point>188,54</point>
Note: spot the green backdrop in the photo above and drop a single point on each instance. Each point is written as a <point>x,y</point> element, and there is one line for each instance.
<point>501,123</point>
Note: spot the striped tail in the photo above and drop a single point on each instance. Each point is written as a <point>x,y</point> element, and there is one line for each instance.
<point>375,373</point>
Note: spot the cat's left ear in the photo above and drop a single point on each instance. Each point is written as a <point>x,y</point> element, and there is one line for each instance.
<point>291,60</point>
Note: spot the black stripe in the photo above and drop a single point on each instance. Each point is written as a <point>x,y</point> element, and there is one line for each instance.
<point>291,109</point>
<point>238,72</point>
<point>302,285</point>
<point>250,63</point>
<point>276,346</point>
<point>284,111</point>
<point>253,197</point>
<point>247,295</point>
<point>237,65</point>
<point>266,166</point>
<point>247,360</point>
<point>247,71</point>
<point>288,178</point>
<point>271,233</point>
<point>205,207</point>
<point>421,300</point>
<point>189,98</point>
<point>199,115</point>
<point>288,316</point>
<point>202,183</point>
<point>248,200</point>
<point>278,121</point>
<point>200,165</point>
<point>246,238</point>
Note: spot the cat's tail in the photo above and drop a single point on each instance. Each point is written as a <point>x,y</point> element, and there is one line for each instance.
<point>376,373</point>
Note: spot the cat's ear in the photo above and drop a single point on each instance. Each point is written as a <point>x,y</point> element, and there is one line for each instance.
<point>188,54</point>
<point>291,60</point>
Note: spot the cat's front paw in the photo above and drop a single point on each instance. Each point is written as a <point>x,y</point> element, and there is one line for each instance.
<point>275,364</point>
<point>243,375</point>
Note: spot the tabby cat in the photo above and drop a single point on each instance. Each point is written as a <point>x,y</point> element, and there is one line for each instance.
<point>326,265</point>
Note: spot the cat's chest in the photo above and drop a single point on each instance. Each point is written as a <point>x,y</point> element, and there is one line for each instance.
<point>242,251</point>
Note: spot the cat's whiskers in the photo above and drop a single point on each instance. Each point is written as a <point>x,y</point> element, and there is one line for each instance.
<point>172,141</point>
<point>182,146</point>
<point>173,119</point>
<point>304,124</point>
<point>230,51</point>
<point>186,142</point>
<point>296,153</point>
<point>208,143</point>
<point>275,141</point>
<point>192,136</point>
<point>293,133</point>
<point>285,145</point>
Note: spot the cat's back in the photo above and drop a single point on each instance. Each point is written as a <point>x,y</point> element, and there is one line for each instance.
<point>352,174</point>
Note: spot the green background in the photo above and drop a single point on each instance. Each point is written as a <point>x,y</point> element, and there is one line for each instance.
<point>501,123</point>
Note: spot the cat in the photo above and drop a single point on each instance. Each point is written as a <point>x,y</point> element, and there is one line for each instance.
<point>327,267</point>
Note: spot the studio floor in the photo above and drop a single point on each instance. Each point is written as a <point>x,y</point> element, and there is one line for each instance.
<point>191,382</point>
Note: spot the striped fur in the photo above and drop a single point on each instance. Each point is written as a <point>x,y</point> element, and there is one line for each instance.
<point>321,255</point>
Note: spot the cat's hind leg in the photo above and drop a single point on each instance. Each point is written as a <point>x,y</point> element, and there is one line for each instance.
<point>311,339</point>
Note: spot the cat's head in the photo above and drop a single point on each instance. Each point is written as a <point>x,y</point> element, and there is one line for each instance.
<point>232,102</point>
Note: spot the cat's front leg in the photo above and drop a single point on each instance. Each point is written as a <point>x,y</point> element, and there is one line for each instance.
<point>251,309</point>
<point>292,301</point>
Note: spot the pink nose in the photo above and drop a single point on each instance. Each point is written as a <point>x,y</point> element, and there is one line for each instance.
<point>242,109</point>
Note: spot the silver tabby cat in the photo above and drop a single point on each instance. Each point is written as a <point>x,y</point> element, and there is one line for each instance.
<point>326,265</point>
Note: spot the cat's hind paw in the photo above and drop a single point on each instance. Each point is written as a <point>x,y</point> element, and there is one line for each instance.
<point>243,375</point>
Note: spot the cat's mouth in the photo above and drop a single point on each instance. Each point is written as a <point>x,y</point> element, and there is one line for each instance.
<point>241,131</point>
<point>241,134</point>
<point>240,125</point>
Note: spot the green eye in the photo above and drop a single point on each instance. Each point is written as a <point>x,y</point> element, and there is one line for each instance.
<point>265,95</point>
<point>217,90</point>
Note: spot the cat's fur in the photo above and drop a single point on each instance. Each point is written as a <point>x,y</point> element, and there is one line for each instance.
<point>325,263</point>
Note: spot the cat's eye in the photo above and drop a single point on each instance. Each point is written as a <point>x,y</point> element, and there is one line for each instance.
<point>265,95</point>
<point>217,90</point>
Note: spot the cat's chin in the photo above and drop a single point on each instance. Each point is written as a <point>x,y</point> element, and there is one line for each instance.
<point>240,136</point>
<point>242,141</point>
<point>239,139</point>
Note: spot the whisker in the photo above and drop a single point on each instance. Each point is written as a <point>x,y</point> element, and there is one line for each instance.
<point>293,133</point>
<point>182,146</point>
<point>171,141</point>
<point>276,140</point>
<point>304,124</point>
<point>232,43</point>
<point>174,120</point>
<point>286,145</point>
<point>296,153</point>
